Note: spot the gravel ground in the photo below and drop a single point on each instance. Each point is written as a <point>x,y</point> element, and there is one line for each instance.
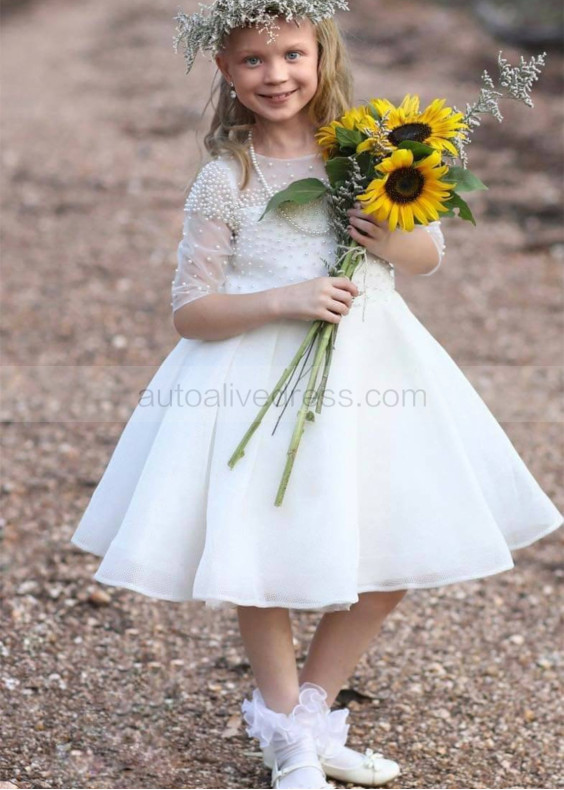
<point>102,687</point>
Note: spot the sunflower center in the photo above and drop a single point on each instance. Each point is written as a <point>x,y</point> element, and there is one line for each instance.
<point>404,185</point>
<point>410,131</point>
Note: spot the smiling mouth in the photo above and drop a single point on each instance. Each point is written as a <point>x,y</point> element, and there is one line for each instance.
<point>278,96</point>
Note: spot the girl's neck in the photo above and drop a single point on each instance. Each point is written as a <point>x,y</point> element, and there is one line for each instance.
<point>280,144</point>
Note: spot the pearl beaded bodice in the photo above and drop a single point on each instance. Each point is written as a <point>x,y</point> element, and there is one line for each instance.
<point>226,249</point>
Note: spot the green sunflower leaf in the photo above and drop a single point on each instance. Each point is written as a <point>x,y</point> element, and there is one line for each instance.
<point>420,150</point>
<point>348,138</point>
<point>303,191</point>
<point>365,162</point>
<point>455,201</point>
<point>465,180</point>
<point>338,169</point>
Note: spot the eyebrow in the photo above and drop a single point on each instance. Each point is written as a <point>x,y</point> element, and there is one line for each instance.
<point>290,46</point>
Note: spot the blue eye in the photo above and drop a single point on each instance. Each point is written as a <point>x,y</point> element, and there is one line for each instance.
<point>255,57</point>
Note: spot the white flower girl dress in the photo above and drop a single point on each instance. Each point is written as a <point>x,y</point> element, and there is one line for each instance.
<point>404,480</point>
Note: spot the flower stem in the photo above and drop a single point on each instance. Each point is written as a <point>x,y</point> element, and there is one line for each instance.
<point>301,374</point>
<point>325,376</point>
<point>301,417</point>
<point>240,449</point>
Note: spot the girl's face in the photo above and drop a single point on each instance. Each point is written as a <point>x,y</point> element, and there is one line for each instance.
<point>277,80</point>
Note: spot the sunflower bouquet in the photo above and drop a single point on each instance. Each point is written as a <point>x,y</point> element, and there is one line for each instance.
<point>399,163</point>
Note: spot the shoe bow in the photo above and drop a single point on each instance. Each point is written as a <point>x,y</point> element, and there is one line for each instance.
<point>372,758</point>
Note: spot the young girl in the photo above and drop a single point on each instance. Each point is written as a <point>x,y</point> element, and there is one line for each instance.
<point>405,480</point>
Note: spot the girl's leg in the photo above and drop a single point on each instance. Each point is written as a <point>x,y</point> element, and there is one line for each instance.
<point>267,637</point>
<point>343,637</point>
<point>268,641</point>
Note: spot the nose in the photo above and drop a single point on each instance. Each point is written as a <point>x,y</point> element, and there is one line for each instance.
<point>276,74</point>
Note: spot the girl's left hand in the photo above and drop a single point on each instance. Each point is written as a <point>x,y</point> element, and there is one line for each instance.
<point>368,232</point>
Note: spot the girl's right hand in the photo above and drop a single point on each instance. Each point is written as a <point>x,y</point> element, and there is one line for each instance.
<point>325,298</point>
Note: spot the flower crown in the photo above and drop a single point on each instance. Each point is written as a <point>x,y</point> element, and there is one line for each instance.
<point>206,29</point>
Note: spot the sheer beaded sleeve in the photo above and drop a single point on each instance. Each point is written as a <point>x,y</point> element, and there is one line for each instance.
<point>435,232</point>
<point>210,222</point>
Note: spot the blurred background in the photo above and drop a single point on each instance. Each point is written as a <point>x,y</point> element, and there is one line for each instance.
<point>101,133</point>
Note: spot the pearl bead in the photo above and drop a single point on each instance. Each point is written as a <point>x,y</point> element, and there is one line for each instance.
<point>225,248</point>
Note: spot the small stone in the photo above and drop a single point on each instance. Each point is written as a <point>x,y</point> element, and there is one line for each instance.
<point>99,598</point>
<point>29,586</point>
<point>119,341</point>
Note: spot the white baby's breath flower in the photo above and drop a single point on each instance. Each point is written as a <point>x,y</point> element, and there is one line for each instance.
<point>513,82</point>
<point>206,29</point>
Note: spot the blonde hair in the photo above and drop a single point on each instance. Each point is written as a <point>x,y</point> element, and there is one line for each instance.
<point>334,96</point>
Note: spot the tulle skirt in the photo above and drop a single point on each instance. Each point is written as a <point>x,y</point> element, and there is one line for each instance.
<point>404,480</point>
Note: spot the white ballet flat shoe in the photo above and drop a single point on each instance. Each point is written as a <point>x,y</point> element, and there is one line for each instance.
<point>278,773</point>
<point>330,729</point>
<point>373,771</point>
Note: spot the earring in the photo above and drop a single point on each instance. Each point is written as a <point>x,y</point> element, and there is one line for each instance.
<point>232,92</point>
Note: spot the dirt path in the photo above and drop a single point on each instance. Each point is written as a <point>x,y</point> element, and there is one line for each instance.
<point>116,690</point>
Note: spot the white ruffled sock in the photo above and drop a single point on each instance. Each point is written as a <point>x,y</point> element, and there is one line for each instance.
<point>291,739</point>
<point>331,729</point>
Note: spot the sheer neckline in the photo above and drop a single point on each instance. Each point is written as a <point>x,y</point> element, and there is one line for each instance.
<point>288,159</point>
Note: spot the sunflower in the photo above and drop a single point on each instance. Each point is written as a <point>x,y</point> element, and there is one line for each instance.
<point>409,106</point>
<point>408,189</point>
<point>326,137</point>
<point>435,126</point>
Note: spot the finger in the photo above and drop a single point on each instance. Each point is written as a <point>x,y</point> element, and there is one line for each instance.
<point>357,235</point>
<point>342,296</point>
<point>358,211</point>
<point>346,284</point>
<point>338,307</point>
<point>368,226</point>
<point>382,224</point>
<point>333,318</point>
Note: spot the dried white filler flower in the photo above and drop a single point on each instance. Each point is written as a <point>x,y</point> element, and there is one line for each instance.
<point>206,29</point>
<point>513,82</point>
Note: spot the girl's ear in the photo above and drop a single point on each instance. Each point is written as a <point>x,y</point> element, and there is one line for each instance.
<point>222,66</point>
